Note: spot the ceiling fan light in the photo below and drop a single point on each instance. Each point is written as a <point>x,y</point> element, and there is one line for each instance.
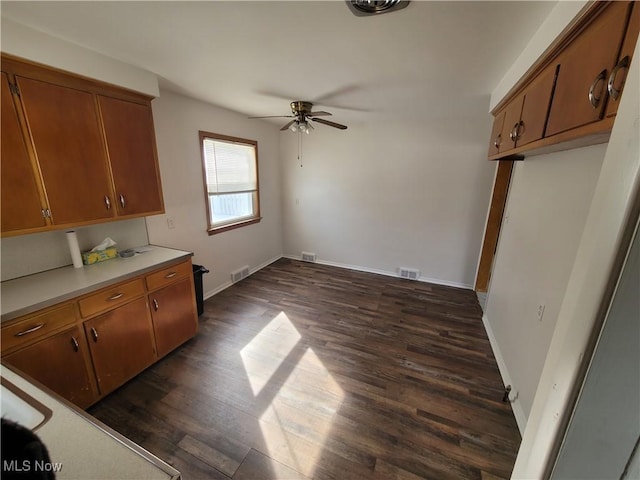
<point>294,127</point>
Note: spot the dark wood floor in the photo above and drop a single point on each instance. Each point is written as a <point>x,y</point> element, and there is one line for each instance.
<point>309,371</point>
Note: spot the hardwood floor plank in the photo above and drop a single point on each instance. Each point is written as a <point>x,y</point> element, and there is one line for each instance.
<point>310,371</point>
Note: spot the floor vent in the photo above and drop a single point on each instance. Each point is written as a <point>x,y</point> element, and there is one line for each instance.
<point>409,273</point>
<point>308,257</point>
<point>239,274</point>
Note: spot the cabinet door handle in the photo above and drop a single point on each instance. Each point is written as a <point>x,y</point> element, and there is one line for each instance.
<point>519,129</point>
<point>75,344</point>
<point>593,100</point>
<point>170,274</point>
<point>115,297</point>
<point>155,305</point>
<point>122,202</point>
<point>29,330</point>
<point>498,141</point>
<point>94,334</point>
<point>614,92</point>
<point>513,135</point>
<point>107,202</point>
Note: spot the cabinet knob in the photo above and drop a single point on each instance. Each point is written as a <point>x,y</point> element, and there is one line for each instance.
<point>593,100</point>
<point>155,305</point>
<point>94,334</point>
<point>614,92</point>
<point>75,344</point>
<point>497,141</point>
<point>122,202</point>
<point>107,202</point>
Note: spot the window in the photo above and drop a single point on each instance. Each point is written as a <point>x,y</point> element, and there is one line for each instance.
<point>230,181</point>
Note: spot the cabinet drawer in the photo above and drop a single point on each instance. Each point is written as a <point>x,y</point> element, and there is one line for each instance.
<point>36,326</point>
<point>111,297</point>
<point>169,275</point>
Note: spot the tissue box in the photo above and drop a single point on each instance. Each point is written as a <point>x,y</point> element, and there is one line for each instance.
<point>89,258</point>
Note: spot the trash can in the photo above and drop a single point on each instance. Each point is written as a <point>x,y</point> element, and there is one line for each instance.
<point>198,271</point>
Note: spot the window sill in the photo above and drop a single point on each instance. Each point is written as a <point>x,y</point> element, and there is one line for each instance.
<point>232,226</point>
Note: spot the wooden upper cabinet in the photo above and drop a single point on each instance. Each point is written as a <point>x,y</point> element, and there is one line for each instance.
<point>535,108</point>
<point>581,90</point>
<point>523,119</point>
<point>130,141</point>
<point>67,140</point>
<point>496,134</point>
<point>511,121</point>
<point>22,206</point>
<point>617,77</point>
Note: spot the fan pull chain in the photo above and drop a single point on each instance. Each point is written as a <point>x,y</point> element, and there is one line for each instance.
<point>300,148</point>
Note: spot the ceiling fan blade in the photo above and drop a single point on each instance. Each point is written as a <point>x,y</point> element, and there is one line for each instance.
<point>331,124</point>
<point>273,116</point>
<point>287,125</point>
<point>318,114</point>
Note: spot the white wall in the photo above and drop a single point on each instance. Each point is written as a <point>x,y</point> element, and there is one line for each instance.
<point>561,15</point>
<point>177,122</point>
<point>546,210</point>
<point>37,46</point>
<point>617,193</point>
<point>383,195</point>
<point>37,252</point>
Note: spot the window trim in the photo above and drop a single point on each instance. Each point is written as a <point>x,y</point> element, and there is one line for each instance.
<point>211,229</point>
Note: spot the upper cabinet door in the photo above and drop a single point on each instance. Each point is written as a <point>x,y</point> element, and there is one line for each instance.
<point>130,141</point>
<point>22,208</point>
<point>537,98</point>
<point>581,89</point>
<point>496,134</point>
<point>617,77</point>
<point>65,131</point>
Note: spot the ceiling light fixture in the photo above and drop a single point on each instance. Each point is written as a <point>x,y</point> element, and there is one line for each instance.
<point>363,8</point>
<point>301,126</point>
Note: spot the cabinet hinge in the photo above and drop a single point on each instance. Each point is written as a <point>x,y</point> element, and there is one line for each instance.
<point>14,89</point>
<point>46,213</point>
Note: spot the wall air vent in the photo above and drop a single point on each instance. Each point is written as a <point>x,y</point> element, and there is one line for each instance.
<point>409,273</point>
<point>308,257</point>
<point>365,8</point>
<point>239,274</point>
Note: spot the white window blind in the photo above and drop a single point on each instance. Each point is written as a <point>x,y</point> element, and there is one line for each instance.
<point>230,167</point>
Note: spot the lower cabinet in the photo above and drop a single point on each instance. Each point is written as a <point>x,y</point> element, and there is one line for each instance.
<point>61,363</point>
<point>121,344</point>
<point>172,313</point>
<point>85,348</point>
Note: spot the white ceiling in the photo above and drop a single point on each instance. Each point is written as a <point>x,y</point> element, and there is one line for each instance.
<point>427,61</point>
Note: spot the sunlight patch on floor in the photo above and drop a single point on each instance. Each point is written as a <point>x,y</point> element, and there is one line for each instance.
<point>298,420</point>
<point>267,350</point>
<point>299,395</point>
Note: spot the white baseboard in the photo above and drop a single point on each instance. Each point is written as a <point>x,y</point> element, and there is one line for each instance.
<point>516,405</point>
<point>384,272</point>
<point>226,285</point>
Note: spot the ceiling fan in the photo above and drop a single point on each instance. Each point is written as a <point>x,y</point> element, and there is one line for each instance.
<point>302,113</point>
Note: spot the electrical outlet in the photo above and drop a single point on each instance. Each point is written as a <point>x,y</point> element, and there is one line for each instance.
<point>170,223</point>
<point>541,308</point>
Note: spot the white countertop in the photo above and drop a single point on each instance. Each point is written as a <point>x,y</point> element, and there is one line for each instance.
<point>84,448</point>
<point>34,292</point>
